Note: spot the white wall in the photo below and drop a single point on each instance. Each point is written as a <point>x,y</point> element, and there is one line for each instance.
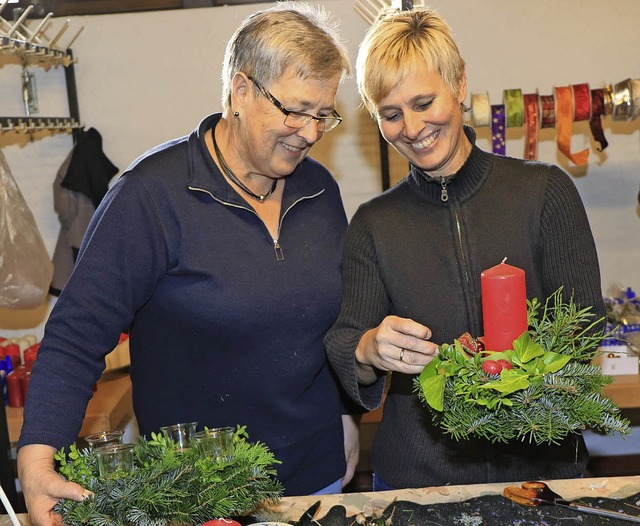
<point>143,78</point>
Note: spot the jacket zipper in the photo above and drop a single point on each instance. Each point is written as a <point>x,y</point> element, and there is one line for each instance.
<point>277,248</point>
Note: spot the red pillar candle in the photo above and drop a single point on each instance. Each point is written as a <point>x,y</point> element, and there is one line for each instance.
<point>14,390</point>
<point>504,306</point>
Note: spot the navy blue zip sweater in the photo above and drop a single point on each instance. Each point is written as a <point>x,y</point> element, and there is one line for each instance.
<point>221,332</point>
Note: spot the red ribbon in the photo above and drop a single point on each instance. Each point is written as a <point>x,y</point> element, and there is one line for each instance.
<point>597,111</point>
<point>531,119</point>
<point>581,102</point>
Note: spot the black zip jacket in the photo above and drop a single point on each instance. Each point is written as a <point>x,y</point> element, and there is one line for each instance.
<point>411,254</point>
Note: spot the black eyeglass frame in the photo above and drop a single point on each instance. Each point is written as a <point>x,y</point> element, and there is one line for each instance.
<point>323,122</point>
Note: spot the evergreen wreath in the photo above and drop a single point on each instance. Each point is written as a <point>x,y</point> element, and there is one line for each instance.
<point>168,486</point>
<point>541,391</point>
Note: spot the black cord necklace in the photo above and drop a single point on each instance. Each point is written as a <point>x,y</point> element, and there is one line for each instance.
<point>229,173</point>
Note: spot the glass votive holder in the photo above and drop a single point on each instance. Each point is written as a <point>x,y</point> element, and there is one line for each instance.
<point>104,438</point>
<point>180,434</point>
<point>216,443</point>
<point>115,459</point>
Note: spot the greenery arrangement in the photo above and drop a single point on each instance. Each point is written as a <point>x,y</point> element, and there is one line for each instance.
<point>168,486</point>
<point>541,391</point>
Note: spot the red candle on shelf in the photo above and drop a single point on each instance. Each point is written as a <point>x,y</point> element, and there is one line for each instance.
<point>13,350</point>
<point>14,390</point>
<point>504,306</point>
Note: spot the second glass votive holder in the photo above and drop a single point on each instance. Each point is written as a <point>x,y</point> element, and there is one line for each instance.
<point>104,438</point>
<point>216,443</point>
<point>115,459</point>
<point>181,434</point>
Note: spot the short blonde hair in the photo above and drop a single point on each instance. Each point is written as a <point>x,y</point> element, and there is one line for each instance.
<point>289,36</point>
<point>398,40</point>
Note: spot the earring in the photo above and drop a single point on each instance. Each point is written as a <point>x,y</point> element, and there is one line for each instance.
<point>236,114</point>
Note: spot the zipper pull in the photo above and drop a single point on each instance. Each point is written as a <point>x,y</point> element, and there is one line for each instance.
<point>278,250</point>
<point>444,196</point>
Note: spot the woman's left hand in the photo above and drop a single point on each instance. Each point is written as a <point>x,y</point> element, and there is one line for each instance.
<point>351,427</point>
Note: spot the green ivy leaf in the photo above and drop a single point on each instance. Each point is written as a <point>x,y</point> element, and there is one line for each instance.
<point>510,382</point>
<point>525,349</point>
<point>433,384</point>
<point>554,361</point>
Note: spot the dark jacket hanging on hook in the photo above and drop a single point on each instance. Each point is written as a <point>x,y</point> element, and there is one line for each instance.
<point>89,170</point>
<point>81,183</point>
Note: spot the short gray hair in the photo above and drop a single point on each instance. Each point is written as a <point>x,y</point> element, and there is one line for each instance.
<point>289,36</point>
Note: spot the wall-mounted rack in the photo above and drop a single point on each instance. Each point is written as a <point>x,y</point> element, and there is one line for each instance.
<point>31,46</point>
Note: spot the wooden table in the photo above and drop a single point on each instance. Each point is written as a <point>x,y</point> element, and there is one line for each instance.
<point>110,408</point>
<point>292,508</point>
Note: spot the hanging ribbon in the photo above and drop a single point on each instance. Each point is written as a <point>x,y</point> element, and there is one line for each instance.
<point>547,111</point>
<point>498,129</point>
<point>531,119</point>
<point>581,102</point>
<point>480,109</point>
<point>514,106</point>
<point>564,110</point>
<point>595,123</point>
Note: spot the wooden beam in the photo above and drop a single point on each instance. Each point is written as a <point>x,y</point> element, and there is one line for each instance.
<point>91,7</point>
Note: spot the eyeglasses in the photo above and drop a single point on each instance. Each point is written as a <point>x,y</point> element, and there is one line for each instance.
<point>298,119</point>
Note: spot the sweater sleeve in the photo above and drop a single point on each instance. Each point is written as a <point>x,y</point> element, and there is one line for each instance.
<point>568,250</point>
<point>364,305</point>
<point>122,256</point>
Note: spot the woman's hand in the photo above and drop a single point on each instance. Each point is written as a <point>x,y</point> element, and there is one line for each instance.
<point>42,486</point>
<point>351,429</point>
<point>397,344</point>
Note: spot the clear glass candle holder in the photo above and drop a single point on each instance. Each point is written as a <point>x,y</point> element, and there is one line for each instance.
<point>104,438</point>
<point>115,459</point>
<point>181,434</point>
<point>216,443</point>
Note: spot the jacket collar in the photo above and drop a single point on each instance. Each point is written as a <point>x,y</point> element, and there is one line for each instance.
<point>460,185</point>
<point>205,175</point>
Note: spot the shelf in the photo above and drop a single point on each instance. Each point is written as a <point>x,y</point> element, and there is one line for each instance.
<point>35,54</point>
<point>34,124</point>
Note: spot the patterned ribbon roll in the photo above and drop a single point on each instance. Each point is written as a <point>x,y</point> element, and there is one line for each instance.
<point>531,119</point>
<point>480,109</point>
<point>621,98</point>
<point>581,102</point>
<point>547,111</point>
<point>514,106</point>
<point>499,145</point>
<point>595,123</point>
<point>564,109</point>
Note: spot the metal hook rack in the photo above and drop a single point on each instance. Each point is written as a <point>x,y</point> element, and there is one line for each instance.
<point>33,47</point>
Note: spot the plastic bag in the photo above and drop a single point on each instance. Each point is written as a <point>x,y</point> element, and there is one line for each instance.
<point>25,266</point>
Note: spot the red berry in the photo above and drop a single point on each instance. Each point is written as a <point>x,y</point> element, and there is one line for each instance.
<point>505,364</point>
<point>491,367</point>
<point>221,522</point>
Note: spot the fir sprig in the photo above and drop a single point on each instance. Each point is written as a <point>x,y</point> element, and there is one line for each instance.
<point>550,391</point>
<point>168,486</point>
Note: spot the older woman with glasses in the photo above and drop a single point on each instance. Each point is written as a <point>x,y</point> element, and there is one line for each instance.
<point>220,253</point>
